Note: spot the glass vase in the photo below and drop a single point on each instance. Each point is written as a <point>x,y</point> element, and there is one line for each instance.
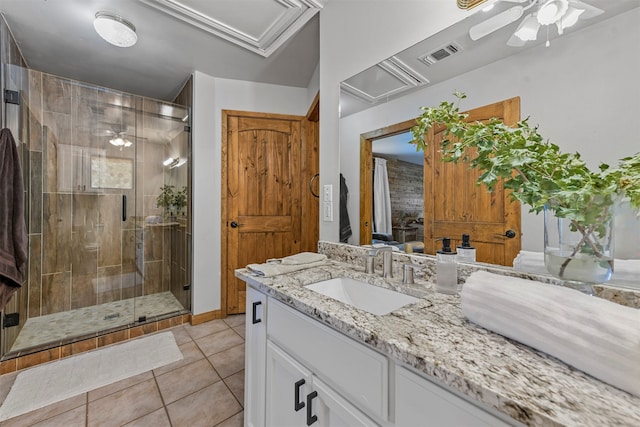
<point>579,253</point>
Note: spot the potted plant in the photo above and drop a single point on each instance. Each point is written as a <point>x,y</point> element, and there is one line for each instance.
<point>573,197</point>
<point>180,200</point>
<point>165,199</point>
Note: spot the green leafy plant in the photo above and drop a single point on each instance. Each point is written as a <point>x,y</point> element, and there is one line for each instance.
<point>536,171</point>
<point>180,200</point>
<point>165,198</point>
<point>172,201</point>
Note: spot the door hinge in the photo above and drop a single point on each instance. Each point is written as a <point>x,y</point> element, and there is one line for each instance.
<point>187,128</point>
<point>12,96</point>
<point>11,319</point>
<point>186,287</point>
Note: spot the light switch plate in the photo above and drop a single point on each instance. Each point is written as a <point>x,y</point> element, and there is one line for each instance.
<point>328,193</point>
<point>327,211</point>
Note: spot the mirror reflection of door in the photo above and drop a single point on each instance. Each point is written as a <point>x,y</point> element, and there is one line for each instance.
<point>453,203</point>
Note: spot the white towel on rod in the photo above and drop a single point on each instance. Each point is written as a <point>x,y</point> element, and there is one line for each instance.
<point>597,336</point>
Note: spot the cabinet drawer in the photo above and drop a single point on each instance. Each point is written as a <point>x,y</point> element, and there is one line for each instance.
<point>358,373</point>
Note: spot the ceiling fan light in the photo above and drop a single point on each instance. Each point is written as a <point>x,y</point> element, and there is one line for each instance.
<point>127,143</point>
<point>551,11</point>
<point>118,141</point>
<point>115,29</point>
<point>528,28</point>
<point>571,17</point>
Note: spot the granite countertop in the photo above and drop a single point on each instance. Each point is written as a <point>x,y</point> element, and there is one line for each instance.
<point>433,337</point>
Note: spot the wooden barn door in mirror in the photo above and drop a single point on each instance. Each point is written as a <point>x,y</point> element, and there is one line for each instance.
<point>262,193</point>
<point>453,203</point>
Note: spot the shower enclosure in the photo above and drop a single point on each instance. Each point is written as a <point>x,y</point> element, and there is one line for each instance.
<point>103,253</point>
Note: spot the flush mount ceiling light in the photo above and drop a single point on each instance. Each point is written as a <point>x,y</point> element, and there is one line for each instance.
<point>115,29</point>
<point>561,13</point>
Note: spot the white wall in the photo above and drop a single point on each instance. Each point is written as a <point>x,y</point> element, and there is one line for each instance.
<point>583,91</point>
<point>211,96</point>
<point>354,35</point>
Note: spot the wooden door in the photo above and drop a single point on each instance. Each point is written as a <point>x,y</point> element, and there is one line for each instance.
<point>455,204</point>
<point>262,193</point>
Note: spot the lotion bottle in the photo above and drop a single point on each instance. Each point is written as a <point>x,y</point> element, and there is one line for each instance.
<point>446,269</point>
<point>466,252</point>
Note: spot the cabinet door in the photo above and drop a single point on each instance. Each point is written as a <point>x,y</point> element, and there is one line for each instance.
<point>255,351</point>
<point>288,386</point>
<point>419,402</point>
<point>333,410</point>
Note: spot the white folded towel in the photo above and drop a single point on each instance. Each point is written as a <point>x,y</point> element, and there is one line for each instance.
<point>530,262</point>
<point>533,262</point>
<point>288,264</point>
<point>298,259</point>
<point>597,336</point>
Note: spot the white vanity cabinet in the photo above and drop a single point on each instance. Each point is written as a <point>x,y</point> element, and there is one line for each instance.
<point>300,372</point>
<point>420,402</point>
<point>296,397</point>
<point>254,362</point>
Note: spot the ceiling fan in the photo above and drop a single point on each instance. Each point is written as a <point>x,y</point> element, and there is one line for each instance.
<point>118,139</point>
<point>562,13</point>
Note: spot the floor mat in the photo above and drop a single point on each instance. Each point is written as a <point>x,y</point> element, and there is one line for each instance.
<point>53,382</point>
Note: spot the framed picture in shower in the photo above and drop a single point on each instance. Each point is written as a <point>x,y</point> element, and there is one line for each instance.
<point>111,172</point>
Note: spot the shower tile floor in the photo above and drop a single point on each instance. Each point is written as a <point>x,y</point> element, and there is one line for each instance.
<point>87,320</point>
<point>204,389</point>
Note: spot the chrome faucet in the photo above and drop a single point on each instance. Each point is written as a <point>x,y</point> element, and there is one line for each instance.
<point>387,260</point>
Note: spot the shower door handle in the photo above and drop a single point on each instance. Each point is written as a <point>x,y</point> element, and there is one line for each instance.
<point>124,207</point>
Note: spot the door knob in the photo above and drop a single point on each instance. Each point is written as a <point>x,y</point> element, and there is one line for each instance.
<point>234,224</point>
<point>509,234</point>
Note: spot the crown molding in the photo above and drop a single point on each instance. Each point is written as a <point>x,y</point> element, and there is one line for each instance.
<point>295,14</point>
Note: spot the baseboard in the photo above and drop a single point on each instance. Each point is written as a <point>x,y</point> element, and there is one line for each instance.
<point>196,319</point>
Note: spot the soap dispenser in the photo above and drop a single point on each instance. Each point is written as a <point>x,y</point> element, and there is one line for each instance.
<point>466,252</point>
<point>446,269</point>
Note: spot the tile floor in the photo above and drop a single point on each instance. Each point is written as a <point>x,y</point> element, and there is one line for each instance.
<point>82,321</point>
<point>205,389</point>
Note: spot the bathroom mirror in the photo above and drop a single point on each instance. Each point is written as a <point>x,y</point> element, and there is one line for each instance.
<point>573,89</point>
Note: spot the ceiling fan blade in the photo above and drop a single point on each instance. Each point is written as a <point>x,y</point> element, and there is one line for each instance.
<point>589,11</point>
<point>496,22</point>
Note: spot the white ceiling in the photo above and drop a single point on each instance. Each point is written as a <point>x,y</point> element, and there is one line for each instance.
<point>415,67</point>
<point>268,41</point>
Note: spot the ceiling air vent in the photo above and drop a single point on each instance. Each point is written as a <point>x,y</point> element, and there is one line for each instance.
<point>440,54</point>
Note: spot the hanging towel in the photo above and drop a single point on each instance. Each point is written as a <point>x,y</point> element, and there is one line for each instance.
<point>13,230</point>
<point>345,224</point>
<point>597,336</point>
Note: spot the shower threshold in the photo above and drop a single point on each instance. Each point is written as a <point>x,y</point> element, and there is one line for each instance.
<point>66,325</point>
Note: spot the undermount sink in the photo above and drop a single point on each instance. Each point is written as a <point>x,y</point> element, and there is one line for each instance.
<point>362,295</point>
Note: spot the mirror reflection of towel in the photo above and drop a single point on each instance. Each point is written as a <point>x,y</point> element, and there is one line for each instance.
<point>13,230</point>
<point>345,224</point>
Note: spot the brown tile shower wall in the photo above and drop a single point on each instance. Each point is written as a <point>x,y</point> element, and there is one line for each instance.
<point>82,253</point>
